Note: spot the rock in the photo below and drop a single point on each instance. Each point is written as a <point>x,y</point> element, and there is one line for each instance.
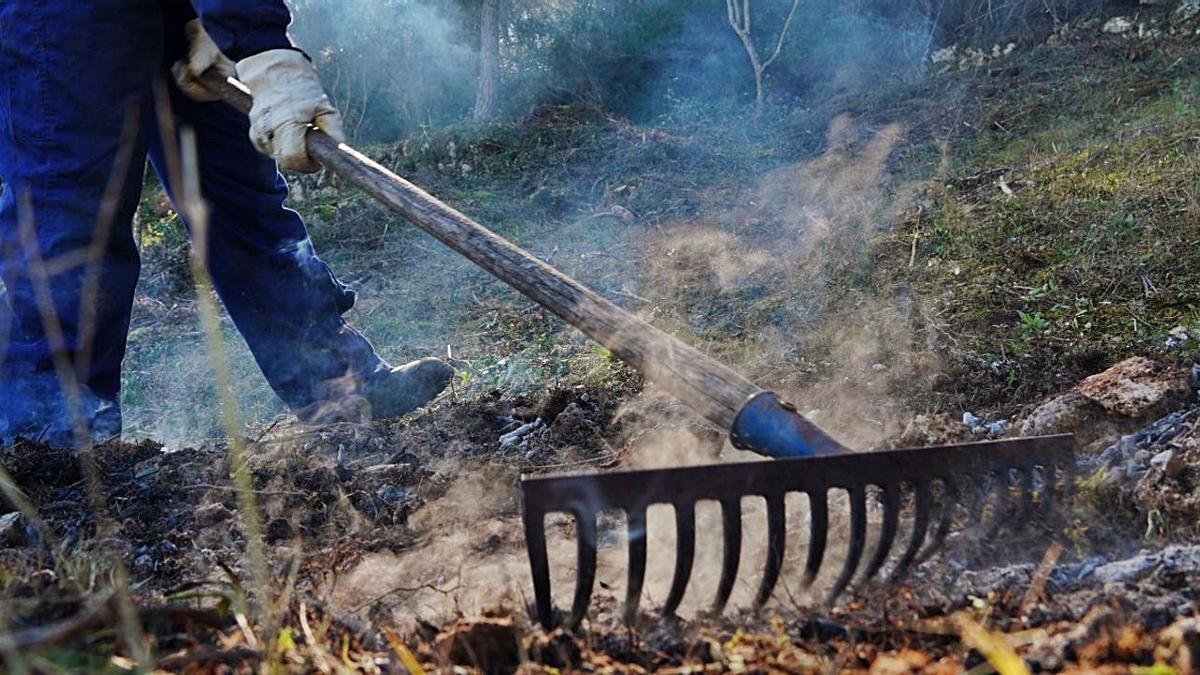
<point>1061,415</point>
<point>1117,25</point>
<point>212,514</point>
<point>1177,337</point>
<point>1174,466</point>
<point>1179,645</point>
<point>970,421</point>
<point>572,424</point>
<point>517,435</point>
<point>492,644</point>
<point>1172,560</point>
<point>944,55</point>
<point>1135,387</point>
<point>12,532</point>
<point>997,428</point>
<point>900,663</point>
<point>1108,405</point>
<point>926,430</point>
<point>1186,11</point>
<point>1125,571</point>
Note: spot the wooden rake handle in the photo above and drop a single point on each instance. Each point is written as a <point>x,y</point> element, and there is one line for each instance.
<point>708,387</point>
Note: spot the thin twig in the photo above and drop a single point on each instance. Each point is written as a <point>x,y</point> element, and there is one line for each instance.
<point>231,488</point>
<point>409,589</point>
<point>1037,584</point>
<point>209,655</point>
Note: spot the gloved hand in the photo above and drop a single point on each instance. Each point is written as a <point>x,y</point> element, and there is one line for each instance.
<point>288,97</point>
<point>202,55</point>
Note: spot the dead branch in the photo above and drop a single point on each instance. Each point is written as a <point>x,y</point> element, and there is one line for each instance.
<point>100,615</point>
<point>739,16</point>
<point>207,655</point>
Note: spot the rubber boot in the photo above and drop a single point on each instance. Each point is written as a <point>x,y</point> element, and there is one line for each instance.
<point>403,389</point>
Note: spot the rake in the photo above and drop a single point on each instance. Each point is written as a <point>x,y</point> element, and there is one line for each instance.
<point>806,459</point>
<point>981,477</point>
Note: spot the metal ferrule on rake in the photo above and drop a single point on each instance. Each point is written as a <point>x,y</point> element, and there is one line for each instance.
<point>933,478</point>
<point>774,428</point>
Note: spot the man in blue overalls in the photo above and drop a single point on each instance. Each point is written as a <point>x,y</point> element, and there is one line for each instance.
<point>78,110</point>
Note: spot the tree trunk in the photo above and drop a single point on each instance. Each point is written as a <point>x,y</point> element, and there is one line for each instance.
<point>760,93</point>
<point>489,61</point>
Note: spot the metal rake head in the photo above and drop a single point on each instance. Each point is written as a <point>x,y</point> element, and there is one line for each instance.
<point>938,479</point>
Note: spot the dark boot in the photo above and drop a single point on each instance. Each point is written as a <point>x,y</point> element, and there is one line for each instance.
<point>403,389</point>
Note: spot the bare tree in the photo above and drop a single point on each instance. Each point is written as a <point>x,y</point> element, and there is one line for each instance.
<point>489,61</point>
<point>739,20</point>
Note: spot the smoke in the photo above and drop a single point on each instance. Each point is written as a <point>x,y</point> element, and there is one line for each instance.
<point>393,66</point>
<point>398,66</point>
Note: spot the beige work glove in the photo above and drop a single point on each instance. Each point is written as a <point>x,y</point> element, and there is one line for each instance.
<point>288,101</point>
<point>202,55</point>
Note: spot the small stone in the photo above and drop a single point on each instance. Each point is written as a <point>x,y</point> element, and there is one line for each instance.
<point>572,424</point>
<point>971,421</point>
<point>879,366</point>
<point>998,428</point>
<point>515,436</point>
<point>212,514</point>
<point>1117,25</point>
<point>1174,465</point>
<point>11,531</point>
<point>1186,11</point>
<point>390,494</point>
<point>926,430</point>
<point>1162,459</point>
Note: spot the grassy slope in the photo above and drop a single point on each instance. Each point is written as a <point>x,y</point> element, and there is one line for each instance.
<point>1093,256</point>
<point>801,256</point>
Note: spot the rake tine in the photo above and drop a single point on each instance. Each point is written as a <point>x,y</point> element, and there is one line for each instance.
<point>921,505</point>
<point>945,519</point>
<point>637,563</point>
<point>685,551</point>
<point>539,563</point>
<point>1003,503</point>
<point>1066,474</point>
<point>979,497</point>
<point>777,541</point>
<point>858,538</point>
<point>1025,510</point>
<point>731,531</point>
<point>1051,475</point>
<point>586,567</point>
<point>818,533</point>
<point>887,534</point>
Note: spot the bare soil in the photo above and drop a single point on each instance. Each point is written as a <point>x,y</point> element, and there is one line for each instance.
<point>332,498</point>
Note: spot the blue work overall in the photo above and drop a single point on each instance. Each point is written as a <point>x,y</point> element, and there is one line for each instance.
<point>76,92</point>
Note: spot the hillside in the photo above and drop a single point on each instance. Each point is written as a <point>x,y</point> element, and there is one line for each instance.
<point>975,242</point>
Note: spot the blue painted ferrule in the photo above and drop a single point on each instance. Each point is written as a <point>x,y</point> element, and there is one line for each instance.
<point>769,426</point>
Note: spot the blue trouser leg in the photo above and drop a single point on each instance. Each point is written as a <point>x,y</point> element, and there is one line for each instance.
<point>71,74</point>
<point>284,300</point>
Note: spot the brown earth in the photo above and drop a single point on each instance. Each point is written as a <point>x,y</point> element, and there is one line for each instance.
<point>332,500</point>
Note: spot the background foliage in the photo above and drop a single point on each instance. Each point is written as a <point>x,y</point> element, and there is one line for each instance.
<point>397,66</point>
